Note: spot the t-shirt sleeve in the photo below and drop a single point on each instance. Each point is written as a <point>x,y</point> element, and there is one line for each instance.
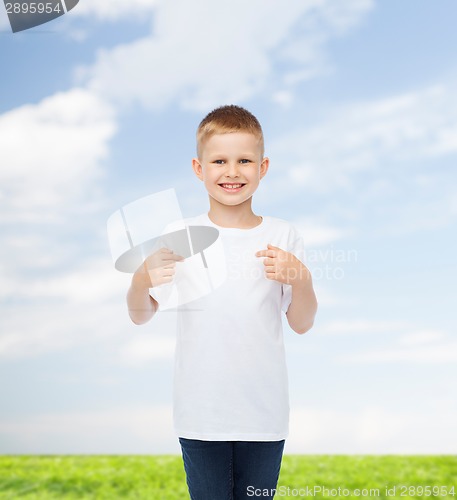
<point>297,247</point>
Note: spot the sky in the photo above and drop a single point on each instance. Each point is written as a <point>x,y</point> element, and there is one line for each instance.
<point>358,103</point>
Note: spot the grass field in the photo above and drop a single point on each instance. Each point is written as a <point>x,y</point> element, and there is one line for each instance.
<point>162,477</point>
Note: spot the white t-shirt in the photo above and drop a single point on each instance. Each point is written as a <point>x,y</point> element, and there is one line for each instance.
<point>230,377</point>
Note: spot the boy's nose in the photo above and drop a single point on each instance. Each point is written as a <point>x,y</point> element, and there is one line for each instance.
<point>232,169</point>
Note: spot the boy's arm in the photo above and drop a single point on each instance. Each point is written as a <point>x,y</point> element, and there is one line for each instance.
<point>303,307</point>
<point>157,269</point>
<point>141,305</point>
<point>284,267</point>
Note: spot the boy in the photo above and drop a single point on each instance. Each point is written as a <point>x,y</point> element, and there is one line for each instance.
<point>231,406</point>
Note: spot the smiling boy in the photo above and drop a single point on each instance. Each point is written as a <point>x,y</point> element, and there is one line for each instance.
<point>231,405</point>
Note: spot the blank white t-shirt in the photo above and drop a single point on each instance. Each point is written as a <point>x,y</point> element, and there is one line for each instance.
<point>230,376</point>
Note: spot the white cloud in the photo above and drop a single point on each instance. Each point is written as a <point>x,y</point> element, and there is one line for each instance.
<point>435,209</point>
<point>79,306</point>
<point>283,97</point>
<point>34,328</point>
<point>93,282</point>
<point>73,307</point>
<point>361,326</point>
<point>51,154</point>
<point>444,352</point>
<point>307,37</point>
<point>374,430</point>
<point>4,22</point>
<point>402,342</point>
<point>39,327</point>
<point>110,10</point>
<point>148,430</point>
<point>122,430</point>
<point>421,337</point>
<point>203,53</point>
<point>52,162</point>
<point>144,349</point>
<point>362,136</point>
<point>317,233</point>
<point>53,301</point>
<point>327,297</point>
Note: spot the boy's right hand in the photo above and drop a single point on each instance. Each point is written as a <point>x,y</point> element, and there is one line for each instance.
<point>157,269</point>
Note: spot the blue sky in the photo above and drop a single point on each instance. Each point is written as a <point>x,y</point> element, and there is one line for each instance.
<point>358,104</point>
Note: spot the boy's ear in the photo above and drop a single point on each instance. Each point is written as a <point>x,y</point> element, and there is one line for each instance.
<point>264,166</point>
<point>197,167</point>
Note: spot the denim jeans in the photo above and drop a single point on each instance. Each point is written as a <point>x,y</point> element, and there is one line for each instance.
<point>231,470</point>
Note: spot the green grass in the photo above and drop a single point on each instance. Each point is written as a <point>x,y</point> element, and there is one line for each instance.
<point>163,478</point>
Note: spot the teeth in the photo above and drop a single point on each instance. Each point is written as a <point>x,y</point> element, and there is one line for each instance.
<point>232,186</point>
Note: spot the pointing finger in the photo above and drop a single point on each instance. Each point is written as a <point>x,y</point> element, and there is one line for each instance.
<point>175,257</point>
<point>265,253</point>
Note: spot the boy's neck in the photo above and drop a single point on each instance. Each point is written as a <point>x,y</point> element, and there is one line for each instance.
<point>239,216</point>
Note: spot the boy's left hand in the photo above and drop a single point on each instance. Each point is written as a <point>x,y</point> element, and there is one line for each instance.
<point>283,266</point>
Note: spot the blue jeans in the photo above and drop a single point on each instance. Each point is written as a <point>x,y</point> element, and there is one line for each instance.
<point>231,470</point>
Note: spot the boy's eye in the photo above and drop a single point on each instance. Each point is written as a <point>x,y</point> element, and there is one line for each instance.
<point>221,162</point>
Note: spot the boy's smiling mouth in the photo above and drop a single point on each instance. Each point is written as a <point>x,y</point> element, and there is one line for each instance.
<point>232,187</point>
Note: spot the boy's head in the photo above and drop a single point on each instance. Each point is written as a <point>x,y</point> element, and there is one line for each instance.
<point>226,120</point>
<point>230,155</point>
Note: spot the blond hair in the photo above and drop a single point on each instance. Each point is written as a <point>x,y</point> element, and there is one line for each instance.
<point>227,120</point>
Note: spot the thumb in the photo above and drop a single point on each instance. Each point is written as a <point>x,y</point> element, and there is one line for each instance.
<point>273,247</point>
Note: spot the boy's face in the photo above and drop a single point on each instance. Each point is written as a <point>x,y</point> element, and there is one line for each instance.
<point>231,159</point>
